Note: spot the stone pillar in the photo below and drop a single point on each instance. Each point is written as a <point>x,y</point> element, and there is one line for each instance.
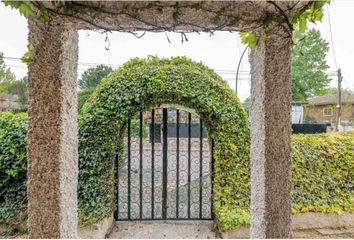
<point>270,136</point>
<point>52,135</point>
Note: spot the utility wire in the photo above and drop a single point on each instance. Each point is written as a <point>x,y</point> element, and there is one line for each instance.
<point>90,64</point>
<point>83,66</point>
<point>330,31</point>
<point>348,86</point>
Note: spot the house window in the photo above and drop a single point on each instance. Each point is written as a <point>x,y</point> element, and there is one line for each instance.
<point>327,112</point>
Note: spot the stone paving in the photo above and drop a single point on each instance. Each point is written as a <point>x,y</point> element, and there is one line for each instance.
<point>164,230</point>
<point>206,230</point>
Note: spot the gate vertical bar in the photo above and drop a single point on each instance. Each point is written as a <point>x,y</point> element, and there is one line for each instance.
<point>177,164</point>
<point>200,168</point>
<point>152,163</point>
<point>189,164</point>
<point>164,164</point>
<point>116,213</point>
<point>141,165</point>
<point>129,164</point>
<point>212,180</point>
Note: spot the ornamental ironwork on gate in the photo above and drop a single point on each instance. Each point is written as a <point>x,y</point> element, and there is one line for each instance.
<point>166,170</point>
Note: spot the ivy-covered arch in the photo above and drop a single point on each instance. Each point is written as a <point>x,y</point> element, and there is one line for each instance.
<point>144,83</point>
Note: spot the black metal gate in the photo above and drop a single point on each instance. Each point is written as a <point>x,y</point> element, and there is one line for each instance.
<point>166,171</point>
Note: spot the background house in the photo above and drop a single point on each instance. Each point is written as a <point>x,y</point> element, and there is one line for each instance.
<point>322,109</point>
<point>10,102</point>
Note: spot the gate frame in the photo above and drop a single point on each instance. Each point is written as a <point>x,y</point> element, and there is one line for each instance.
<point>165,171</point>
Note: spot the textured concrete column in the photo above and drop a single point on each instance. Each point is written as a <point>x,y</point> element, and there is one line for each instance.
<point>52,136</point>
<point>270,136</point>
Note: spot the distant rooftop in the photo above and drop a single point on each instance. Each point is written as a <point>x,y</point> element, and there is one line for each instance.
<point>330,99</point>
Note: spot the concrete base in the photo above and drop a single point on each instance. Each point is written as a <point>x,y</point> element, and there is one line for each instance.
<point>304,221</point>
<point>101,230</point>
<point>164,230</point>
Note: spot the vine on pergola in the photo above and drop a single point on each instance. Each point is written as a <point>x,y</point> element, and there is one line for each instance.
<point>86,12</point>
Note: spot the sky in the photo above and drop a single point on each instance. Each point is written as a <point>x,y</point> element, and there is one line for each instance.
<point>220,51</point>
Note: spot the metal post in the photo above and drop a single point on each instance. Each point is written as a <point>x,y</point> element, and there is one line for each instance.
<point>152,163</point>
<point>189,164</point>
<point>141,166</point>
<point>116,164</point>
<point>339,99</point>
<point>212,179</point>
<point>164,164</point>
<point>129,165</point>
<point>201,169</point>
<point>238,68</point>
<point>177,164</point>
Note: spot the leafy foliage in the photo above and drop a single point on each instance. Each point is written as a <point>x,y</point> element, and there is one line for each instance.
<point>313,14</point>
<point>27,11</point>
<point>92,77</point>
<point>309,65</point>
<point>332,91</point>
<point>13,169</point>
<point>83,96</point>
<point>145,83</point>
<point>322,164</point>
<point>249,38</point>
<point>297,22</point>
<point>323,167</point>
<point>6,75</point>
<point>9,84</point>
<point>247,105</point>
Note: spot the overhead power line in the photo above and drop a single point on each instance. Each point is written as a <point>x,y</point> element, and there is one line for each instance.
<point>331,34</point>
<point>82,66</point>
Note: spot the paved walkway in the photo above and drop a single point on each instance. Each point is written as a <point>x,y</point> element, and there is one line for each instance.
<point>165,230</point>
<point>205,229</point>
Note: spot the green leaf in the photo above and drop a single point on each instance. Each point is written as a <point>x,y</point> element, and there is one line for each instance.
<point>249,38</point>
<point>44,13</point>
<point>26,10</point>
<point>27,57</point>
<point>176,12</point>
<point>302,24</point>
<point>318,5</point>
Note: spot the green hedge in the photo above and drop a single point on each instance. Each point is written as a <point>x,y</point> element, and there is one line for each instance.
<point>139,85</point>
<point>323,173</point>
<point>322,164</point>
<point>13,169</point>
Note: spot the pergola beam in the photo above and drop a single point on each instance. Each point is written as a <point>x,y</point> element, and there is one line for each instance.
<point>53,139</point>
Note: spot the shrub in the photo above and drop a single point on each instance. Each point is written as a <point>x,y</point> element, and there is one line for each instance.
<point>323,181</point>
<point>322,164</point>
<point>142,84</point>
<point>83,96</point>
<point>13,169</point>
<point>323,173</point>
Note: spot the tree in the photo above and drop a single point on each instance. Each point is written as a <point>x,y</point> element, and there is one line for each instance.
<point>83,96</point>
<point>247,105</point>
<point>309,65</point>
<point>92,77</point>
<point>5,73</point>
<point>9,84</point>
<point>334,91</point>
<point>89,81</point>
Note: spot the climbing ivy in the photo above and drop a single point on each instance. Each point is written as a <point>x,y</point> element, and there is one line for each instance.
<point>322,164</point>
<point>139,85</point>
<point>296,22</point>
<point>311,12</point>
